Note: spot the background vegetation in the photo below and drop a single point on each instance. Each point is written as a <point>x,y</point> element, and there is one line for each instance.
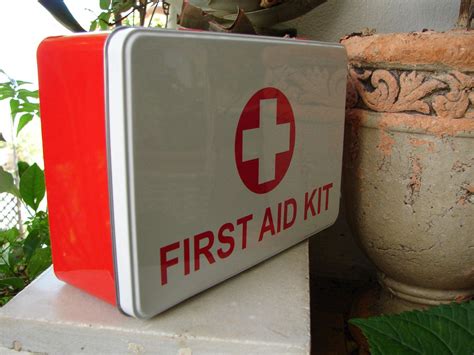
<point>25,249</point>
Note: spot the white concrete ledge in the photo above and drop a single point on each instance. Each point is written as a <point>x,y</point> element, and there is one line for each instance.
<point>263,310</point>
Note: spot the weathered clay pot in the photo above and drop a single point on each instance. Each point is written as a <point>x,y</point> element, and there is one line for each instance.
<point>409,163</point>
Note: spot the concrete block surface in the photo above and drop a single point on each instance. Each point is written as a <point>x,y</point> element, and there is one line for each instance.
<point>262,310</point>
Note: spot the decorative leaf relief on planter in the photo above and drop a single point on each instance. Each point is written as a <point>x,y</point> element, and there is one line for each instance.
<point>456,102</point>
<point>448,95</point>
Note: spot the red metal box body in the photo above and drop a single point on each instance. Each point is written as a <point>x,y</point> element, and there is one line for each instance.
<point>71,78</point>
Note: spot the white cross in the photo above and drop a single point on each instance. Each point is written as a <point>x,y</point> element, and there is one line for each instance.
<point>265,142</point>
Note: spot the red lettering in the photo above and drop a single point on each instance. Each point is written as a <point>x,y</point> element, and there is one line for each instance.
<point>308,204</point>
<point>203,250</point>
<point>267,225</point>
<point>165,263</point>
<point>327,188</point>
<point>319,200</point>
<point>243,221</point>
<point>187,267</point>
<point>288,223</point>
<point>225,239</point>
<point>279,218</point>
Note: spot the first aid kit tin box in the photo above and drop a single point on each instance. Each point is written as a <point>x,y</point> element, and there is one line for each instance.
<point>175,160</point>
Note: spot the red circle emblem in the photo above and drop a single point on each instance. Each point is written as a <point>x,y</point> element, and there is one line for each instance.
<point>265,140</point>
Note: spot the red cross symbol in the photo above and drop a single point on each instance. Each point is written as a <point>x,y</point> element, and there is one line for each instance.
<point>265,140</point>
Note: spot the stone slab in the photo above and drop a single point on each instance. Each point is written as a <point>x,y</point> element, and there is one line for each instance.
<point>263,310</point>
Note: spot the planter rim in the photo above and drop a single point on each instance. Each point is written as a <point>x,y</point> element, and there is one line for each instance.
<point>412,123</point>
<point>418,294</point>
<point>427,50</point>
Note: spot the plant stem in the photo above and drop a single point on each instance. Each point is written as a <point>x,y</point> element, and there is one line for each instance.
<point>153,13</point>
<point>117,18</point>
<point>466,12</point>
<point>141,7</point>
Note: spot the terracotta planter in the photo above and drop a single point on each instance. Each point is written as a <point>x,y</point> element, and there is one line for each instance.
<point>409,163</point>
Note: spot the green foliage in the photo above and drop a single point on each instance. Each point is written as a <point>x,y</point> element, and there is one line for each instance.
<point>23,256</point>
<point>104,4</point>
<point>24,104</point>
<point>32,186</point>
<point>22,166</point>
<point>123,12</point>
<point>446,329</point>
<point>109,8</point>
<point>24,252</point>
<point>7,183</point>
<point>24,120</point>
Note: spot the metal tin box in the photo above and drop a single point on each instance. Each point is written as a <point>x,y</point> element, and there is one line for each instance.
<point>175,160</point>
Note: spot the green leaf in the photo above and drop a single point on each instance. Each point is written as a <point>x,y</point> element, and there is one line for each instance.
<point>39,262</point>
<point>21,82</point>
<point>15,255</point>
<point>93,26</point>
<point>5,270</point>
<point>32,186</point>
<point>9,235</point>
<point>446,329</point>
<point>104,20</point>
<point>122,5</point>
<point>7,183</point>
<point>31,244</point>
<point>13,282</point>
<point>28,107</point>
<point>22,167</point>
<point>14,107</point>
<point>104,4</point>
<point>6,91</point>
<point>25,94</point>
<point>39,223</point>
<point>24,120</point>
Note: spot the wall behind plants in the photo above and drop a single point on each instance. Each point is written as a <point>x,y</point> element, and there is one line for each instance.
<point>335,18</point>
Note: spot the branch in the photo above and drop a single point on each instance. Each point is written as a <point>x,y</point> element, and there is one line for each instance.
<point>466,13</point>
